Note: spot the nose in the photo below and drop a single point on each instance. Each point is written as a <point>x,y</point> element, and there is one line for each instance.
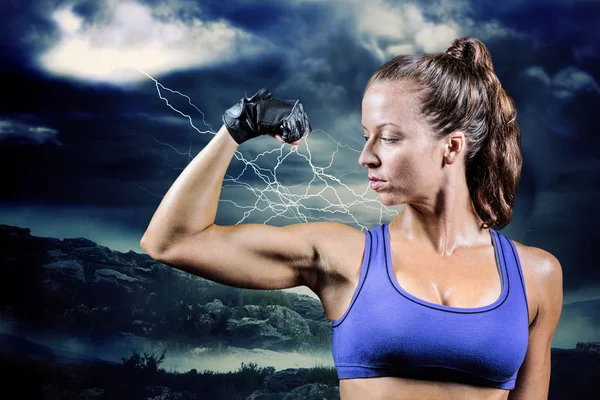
<point>367,157</point>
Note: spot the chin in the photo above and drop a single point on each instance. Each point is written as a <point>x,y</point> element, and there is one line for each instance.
<point>389,201</point>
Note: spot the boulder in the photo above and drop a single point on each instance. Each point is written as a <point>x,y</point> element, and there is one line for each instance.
<point>91,394</point>
<point>217,310</point>
<point>251,332</point>
<point>286,321</point>
<point>117,279</point>
<point>65,271</point>
<point>250,311</point>
<point>307,306</point>
<point>265,395</point>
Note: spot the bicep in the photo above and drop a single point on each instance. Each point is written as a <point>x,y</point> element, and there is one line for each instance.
<point>253,256</point>
<point>533,379</point>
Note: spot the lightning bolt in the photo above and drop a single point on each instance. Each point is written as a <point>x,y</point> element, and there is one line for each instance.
<point>277,199</point>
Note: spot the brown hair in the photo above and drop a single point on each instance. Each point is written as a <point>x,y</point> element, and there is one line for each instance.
<point>460,91</point>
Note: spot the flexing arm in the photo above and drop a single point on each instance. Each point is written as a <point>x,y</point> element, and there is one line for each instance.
<point>182,232</point>
<point>190,205</point>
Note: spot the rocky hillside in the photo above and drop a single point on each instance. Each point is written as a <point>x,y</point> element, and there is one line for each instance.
<point>85,290</point>
<point>77,286</point>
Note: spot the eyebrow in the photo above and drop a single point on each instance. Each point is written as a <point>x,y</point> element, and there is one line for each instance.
<point>378,127</point>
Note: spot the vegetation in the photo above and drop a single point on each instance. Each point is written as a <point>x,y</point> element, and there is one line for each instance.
<point>265,298</point>
<point>321,374</point>
<point>138,376</point>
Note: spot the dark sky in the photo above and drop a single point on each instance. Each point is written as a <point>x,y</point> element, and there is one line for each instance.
<point>104,103</point>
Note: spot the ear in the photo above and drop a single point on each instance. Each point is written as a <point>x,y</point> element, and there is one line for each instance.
<point>454,144</point>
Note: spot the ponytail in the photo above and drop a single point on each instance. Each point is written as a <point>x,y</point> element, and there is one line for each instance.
<point>462,92</point>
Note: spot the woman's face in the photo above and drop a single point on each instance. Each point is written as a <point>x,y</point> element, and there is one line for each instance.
<point>400,148</point>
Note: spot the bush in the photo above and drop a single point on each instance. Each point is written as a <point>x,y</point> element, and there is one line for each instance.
<point>321,331</point>
<point>266,298</point>
<point>249,377</point>
<point>142,368</point>
<point>321,374</point>
<point>37,379</point>
<point>228,295</point>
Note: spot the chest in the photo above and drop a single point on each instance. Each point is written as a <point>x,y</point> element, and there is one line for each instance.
<point>423,315</point>
<point>468,278</point>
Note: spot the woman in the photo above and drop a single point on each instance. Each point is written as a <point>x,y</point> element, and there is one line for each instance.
<point>437,304</point>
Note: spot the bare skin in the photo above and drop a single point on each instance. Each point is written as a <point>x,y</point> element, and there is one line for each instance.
<point>439,252</point>
<point>469,278</point>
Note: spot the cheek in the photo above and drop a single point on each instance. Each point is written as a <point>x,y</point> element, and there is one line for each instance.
<point>418,171</point>
<point>407,172</point>
<point>426,162</point>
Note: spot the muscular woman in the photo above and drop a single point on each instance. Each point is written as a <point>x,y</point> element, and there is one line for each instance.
<point>437,304</point>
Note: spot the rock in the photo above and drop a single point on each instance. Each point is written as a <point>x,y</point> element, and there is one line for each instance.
<point>219,312</point>
<point>79,242</point>
<point>164,393</point>
<point>52,285</point>
<point>314,391</point>
<point>185,395</point>
<point>145,328</point>
<point>251,332</point>
<point>116,279</point>
<point>68,283</point>
<point>62,277</point>
<point>111,275</point>
<point>156,392</point>
<point>66,271</point>
<point>285,380</point>
<point>199,324</point>
<point>56,255</point>
<point>117,258</point>
<point>307,307</point>
<point>88,251</point>
<point>216,307</point>
<point>591,347</point>
<point>14,230</point>
<point>91,394</point>
<point>286,321</point>
<point>250,311</point>
<point>265,395</point>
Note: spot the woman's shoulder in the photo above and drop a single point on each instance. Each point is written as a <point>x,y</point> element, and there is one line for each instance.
<point>542,263</point>
<point>338,239</point>
<point>338,248</point>
<point>542,272</point>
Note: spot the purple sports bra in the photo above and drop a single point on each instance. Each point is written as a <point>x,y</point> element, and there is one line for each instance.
<point>386,331</point>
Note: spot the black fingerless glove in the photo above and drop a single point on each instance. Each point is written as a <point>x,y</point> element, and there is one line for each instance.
<point>262,114</point>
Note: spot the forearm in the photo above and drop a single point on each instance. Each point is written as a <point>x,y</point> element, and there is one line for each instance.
<point>190,205</point>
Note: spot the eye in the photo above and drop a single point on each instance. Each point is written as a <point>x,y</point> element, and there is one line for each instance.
<point>386,140</point>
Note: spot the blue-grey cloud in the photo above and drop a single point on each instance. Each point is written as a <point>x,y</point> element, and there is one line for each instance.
<point>123,147</point>
<point>133,36</point>
<point>23,133</point>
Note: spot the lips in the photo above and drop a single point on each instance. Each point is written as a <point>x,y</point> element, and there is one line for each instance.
<point>376,184</point>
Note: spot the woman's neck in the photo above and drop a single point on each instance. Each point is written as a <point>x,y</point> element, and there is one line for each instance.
<point>451,224</point>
